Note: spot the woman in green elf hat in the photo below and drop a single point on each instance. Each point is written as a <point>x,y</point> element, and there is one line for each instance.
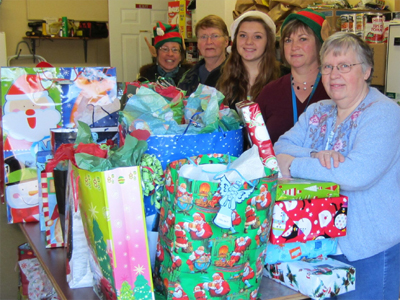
<point>282,101</point>
<point>169,55</point>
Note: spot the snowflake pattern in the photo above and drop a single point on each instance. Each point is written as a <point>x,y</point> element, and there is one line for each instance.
<point>139,269</point>
<point>93,211</point>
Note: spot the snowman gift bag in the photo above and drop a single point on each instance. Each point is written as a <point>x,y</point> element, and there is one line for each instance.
<point>214,229</point>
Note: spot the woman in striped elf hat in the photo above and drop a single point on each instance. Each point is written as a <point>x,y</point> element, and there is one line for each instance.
<point>169,55</point>
<point>282,101</point>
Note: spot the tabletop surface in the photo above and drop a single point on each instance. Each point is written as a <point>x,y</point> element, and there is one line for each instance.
<point>53,263</point>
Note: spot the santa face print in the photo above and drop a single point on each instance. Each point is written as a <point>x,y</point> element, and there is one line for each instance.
<point>26,120</point>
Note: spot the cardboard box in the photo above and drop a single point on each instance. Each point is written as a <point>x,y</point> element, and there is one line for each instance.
<point>378,77</point>
<point>178,14</point>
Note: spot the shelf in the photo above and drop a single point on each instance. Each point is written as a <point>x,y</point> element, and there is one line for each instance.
<point>33,40</point>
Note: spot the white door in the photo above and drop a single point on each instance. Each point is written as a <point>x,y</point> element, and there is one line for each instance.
<point>129,22</point>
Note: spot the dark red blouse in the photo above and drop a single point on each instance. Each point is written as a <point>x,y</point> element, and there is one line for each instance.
<point>275,101</point>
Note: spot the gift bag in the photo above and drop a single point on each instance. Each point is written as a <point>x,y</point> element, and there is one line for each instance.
<point>54,235</point>
<point>100,135</point>
<point>113,218</point>
<point>208,129</point>
<point>213,233</point>
<point>35,100</point>
<point>42,157</point>
<point>79,274</point>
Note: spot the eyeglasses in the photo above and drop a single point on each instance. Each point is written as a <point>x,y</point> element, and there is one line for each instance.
<point>342,68</point>
<point>166,50</point>
<point>213,37</point>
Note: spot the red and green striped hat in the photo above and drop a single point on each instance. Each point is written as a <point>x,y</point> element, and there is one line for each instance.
<point>164,33</point>
<point>311,18</point>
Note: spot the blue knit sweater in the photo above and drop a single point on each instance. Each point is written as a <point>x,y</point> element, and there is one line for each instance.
<point>370,175</point>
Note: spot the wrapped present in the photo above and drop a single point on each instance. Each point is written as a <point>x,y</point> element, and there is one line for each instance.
<point>299,189</point>
<point>317,278</point>
<point>306,220</point>
<point>257,132</point>
<point>296,251</point>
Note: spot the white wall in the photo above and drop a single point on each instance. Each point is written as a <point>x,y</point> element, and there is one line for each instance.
<point>3,50</point>
<point>222,8</point>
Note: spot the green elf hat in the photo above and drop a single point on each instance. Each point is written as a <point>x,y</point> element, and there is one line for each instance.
<point>164,33</point>
<point>315,20</point>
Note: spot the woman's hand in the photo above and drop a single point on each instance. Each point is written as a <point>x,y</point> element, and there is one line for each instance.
<point>284,162</point>
<point>325,158</point>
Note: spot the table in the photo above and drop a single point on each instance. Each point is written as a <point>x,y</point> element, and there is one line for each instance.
<point>53,263</point>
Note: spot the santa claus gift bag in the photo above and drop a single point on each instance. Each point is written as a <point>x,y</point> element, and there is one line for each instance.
<point>213,230</point>
<point>35,100</point>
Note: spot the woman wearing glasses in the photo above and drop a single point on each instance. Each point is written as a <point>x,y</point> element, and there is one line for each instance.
<point>212,40</point>
<point>283,100</point>
<point>169,56</point>
<point>354,140</point>
<point>252,63</point>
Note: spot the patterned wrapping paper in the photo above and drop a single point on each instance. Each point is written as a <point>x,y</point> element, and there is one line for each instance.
<point>306,220</point>
<point>258,133</point>
<point>299,189</point>
<point>317,278</point>
<point>197,258</point>
<point>296,251</point>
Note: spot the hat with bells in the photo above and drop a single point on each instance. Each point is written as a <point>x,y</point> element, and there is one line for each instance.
<point>313,19</point>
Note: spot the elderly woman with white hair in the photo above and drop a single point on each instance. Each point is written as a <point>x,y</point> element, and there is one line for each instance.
<point>354,140</point>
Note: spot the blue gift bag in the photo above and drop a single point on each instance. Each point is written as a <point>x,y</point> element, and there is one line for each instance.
<point>168,148</point>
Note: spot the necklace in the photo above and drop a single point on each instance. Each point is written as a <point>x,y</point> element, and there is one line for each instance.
<point>301,86</point>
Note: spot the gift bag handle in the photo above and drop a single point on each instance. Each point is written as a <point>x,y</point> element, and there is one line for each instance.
<point>219,175</point>
<point>109,115</point>
<point>59,80</point>
<point>74,189</point>
<point>191,121</point>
